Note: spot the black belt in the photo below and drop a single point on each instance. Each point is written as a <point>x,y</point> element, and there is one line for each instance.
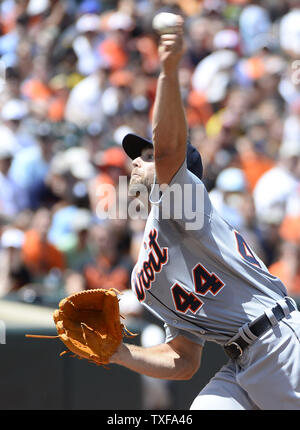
<point>235,347</point>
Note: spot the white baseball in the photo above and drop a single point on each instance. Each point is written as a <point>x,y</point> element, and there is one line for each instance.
<point>165,23</point>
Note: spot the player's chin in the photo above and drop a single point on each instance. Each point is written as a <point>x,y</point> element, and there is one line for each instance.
<point>138,185</point>
<point>134,180</point>
<point>134,183</point>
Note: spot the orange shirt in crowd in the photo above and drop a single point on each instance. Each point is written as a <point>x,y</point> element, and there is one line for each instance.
<point>105,275</point>
<point>290,229</point>
<point>254,165</point>
<point>40,256</point>
<point>282,271</point>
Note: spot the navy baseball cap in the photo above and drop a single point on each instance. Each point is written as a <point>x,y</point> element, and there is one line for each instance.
<point>134,144</point>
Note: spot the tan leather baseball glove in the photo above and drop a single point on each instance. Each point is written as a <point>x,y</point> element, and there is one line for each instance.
<point>88,323</point>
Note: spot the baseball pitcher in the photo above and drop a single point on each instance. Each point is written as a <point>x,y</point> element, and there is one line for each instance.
<point>204,282</point>
<point>194,272</point>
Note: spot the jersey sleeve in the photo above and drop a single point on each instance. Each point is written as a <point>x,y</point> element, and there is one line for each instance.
<point>185,200</point>
<point>172,332</point>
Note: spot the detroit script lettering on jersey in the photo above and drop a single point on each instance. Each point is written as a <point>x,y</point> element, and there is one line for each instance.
<point>157,257</point>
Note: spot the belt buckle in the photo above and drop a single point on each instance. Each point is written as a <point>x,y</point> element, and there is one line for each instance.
<point>235,353</point>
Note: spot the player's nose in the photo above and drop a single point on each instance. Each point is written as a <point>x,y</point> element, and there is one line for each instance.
<point>137,162</point>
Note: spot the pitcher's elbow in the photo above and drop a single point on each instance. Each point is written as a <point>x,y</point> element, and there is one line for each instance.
<point>189,375</point>
<point>189,371</point>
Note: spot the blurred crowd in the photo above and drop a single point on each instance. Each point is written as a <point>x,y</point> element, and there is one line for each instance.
<point>77,75</point>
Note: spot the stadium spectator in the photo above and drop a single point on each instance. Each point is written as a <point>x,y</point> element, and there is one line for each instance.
<point>39,255</point>
<point>13,197</point>
<point>112,267</point>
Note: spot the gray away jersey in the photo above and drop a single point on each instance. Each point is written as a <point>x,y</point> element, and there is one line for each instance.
<point>204,283</point>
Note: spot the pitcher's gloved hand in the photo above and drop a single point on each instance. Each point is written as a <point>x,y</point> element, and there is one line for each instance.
<point>88,323</point>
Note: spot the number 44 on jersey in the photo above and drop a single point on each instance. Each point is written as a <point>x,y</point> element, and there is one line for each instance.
<point>205,282</point>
